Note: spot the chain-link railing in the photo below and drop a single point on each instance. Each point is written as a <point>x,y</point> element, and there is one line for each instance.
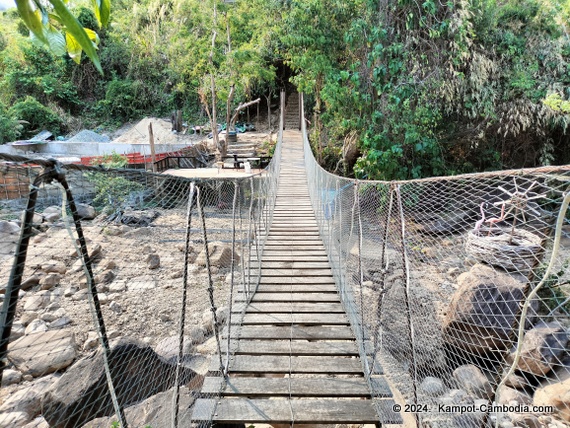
<point>118,289</point>
<point>448,282</point>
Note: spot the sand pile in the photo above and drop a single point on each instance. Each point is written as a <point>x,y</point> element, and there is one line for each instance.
<point>162,130</point>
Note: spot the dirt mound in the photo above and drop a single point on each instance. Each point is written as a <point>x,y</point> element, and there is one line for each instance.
<point>162,130</point>
<point>87,136</point>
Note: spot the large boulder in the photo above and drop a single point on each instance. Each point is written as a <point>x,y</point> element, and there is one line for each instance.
<point>556,395</point>
<point>483,310</point>
<point>155,411</point>
<point>9,235</point>
<point>41,353</point>
<point>81,394</point>
<point>543,348</point>
<point>220,255</point>
<point>86,212</point>
<point>471,379</point>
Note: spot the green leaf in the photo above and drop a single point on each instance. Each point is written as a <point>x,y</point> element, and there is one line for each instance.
<point>55,40</point>
<point>73,27</point>
<point>32,19</point>
<point>105,11</point>
<point>73,48</point>
<point>102,9</point>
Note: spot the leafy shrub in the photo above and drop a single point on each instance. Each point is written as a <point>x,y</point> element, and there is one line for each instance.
<point>36,116</point>
<point>124,100</point>
<point>113,191</point>
<point>9,127</point>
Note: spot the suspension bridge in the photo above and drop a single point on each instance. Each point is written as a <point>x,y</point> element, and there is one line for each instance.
<point>296,359</point>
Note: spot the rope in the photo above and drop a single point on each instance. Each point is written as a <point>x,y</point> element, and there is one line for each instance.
<point>176,395</point>
<point>210,280</point>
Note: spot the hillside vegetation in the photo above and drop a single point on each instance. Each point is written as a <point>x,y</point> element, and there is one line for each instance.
<point>396,89</point>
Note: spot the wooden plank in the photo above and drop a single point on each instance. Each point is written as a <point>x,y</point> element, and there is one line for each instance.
<point>299,307</point>
<point>293,247</point>
<point>297,272</point>
<point>293,265</point>
<point>290,258</point>
<point>288,364</point>
<point>296,297</point>
<point>276,319</point>
<point>295,288</point>
<point>305,411</point>
<point>295,332</point>
<point>296,387</point>
<point>294,347</point>
<point>296,280</point>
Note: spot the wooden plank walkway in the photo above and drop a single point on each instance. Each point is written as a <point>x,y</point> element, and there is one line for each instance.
<point>295,357</point>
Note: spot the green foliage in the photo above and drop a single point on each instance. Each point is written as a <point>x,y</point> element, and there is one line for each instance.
<point>113,191</point>
<point>124,100</point>
<point>9,127</point>
<point>36,117</point>
<point>53,24</point>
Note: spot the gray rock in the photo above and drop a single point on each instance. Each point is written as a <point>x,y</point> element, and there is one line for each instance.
<point>543,348</point>
<point>153,261</point>
<point>432,386</point>
<point>18,330</point>
<point>60,322</point>
<point>220,255</point>
<point>41,353</point>
<point>28,317</point>
<point>70,291</point>
<point>471,379</point>
<point>50,281</point>
<point>52,209</point>
<point>48,316</point>
<point>109,264</point>
<point>52,217</point>
<point>526,420</point>
<point>9,236</point>
<point>36,326</point>
<point>115,307</point>
<point>103,298</point>
<point>92,341</point>
<point>557,395</point>
<point>81,394</point>
<point>10,377</point>
<point>54,267</point>
<point>516,381</point>
<point>37,301</point>
<point>80,295</point>
<point>506,395</point>
<point>167,348</point>
<point>86,212</point>
<point>483,310</point>
<point>104,277</point>
<point>26,400</point>
<point>32,281</point>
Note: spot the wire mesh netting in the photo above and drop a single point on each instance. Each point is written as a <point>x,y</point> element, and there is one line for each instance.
<point>458,288</point>
<point>118,289</point>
